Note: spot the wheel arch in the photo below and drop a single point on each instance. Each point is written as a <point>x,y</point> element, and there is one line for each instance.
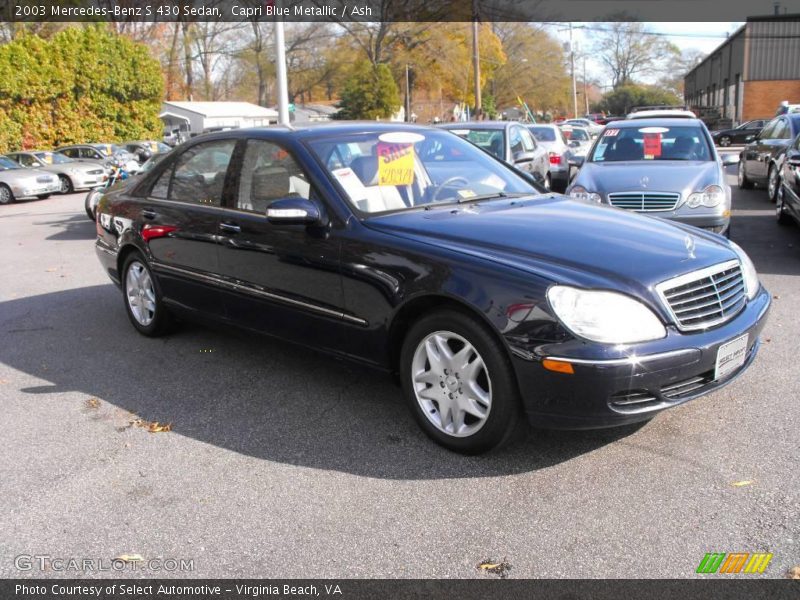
<point>416,307</point>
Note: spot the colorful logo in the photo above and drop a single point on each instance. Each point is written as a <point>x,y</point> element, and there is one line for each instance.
<point>734,562</point>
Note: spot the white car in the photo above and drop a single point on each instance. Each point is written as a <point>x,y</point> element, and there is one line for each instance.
<point>593,128</point>
<point>17,182</point>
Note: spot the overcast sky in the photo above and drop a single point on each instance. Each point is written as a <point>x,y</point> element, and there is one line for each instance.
<point>703,36</point>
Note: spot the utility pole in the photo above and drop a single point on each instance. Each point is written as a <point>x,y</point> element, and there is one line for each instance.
<point>585,95</point>
<point>572,63</point>
<point>476,60</point>
<point>280,65</point>
<point>408,97</point>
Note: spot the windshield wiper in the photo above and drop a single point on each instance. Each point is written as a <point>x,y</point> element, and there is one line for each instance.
<point>492,196</point>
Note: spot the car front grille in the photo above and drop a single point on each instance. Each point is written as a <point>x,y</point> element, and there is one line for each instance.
<point>644,201</point>
<point>706,297</point>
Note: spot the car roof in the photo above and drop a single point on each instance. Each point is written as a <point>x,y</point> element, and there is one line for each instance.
<point>666,112</point>
<point>479,125</point>
<point>653,122</point>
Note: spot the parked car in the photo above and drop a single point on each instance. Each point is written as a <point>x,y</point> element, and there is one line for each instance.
<point>758,160</point>
<point>509,141</point>
<point>551,138</point>
<point>104,154</point>
<point>73,175</point>
<point>595,117</point>
<point>491,300</point>
<point>17,182</point>
<point>788,198</point>
<point>580,141</point>
<point>738,135</point>
<point>143,150</point>
<point>664,167</point>
<point>593,128</point>
<point>607,119</point>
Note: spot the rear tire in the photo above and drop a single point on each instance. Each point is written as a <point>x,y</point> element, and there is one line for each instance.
<point>6,197</point>
<point>66,184</point>
<point>744,182</point>
<point>464,398</point>
<point>142,297</point>
<point>87,206</point>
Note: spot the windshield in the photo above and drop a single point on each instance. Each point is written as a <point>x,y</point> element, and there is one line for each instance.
<point>7,163</point>
<point>110,149</point>
<point>680,142</point>
<point>402,170</point>
<point>581,135</point>
<point>543,134</point>
<point>491,140</point>
<point>52,158</point>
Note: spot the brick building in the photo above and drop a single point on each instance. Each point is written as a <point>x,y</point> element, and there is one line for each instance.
<point>752,72</point>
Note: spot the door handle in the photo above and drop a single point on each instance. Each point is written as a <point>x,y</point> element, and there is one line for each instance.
<point>148,213</point>
<point>230,227</point>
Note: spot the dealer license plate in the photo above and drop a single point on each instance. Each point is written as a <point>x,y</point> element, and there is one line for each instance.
<point>730,356</point>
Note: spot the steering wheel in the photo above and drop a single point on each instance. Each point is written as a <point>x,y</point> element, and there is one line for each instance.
<point>445,183</point>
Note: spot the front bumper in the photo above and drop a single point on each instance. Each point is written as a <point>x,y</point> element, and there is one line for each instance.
<point>36,189</point>
<point>614,386</point>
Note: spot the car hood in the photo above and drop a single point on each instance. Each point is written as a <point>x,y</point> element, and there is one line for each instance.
<point>564,240</point>
<point>662,176</point>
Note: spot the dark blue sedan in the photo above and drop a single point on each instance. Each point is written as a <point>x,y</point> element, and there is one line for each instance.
<point>411,250</point>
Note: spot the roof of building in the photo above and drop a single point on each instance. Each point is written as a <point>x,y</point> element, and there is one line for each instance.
<point>222,109</point>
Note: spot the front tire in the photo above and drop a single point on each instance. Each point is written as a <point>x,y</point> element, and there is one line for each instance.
<point>744,182</point>
<point>773,184</point>
<point>66,184</point>
<point>6,197</point>
<point>780,209</point>
<point>143,300</point>
<point>459,383</point>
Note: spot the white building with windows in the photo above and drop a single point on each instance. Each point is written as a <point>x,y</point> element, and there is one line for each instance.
<point>183,120</point>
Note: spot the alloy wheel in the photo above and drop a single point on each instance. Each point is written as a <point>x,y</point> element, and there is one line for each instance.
<point>725,141</point>
<point>5,195</point>
<point>451,384</point>
<point>140,293</point>
<point>772,185</point>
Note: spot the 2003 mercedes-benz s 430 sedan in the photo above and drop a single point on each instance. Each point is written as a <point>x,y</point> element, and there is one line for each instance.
<point>412,250</point>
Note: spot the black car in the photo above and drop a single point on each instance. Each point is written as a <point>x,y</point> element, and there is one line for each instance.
<point>738,135</point>
<point>509,141</point>
<point>409,249</point>
<point>788,200</point>
<point>758,162</point>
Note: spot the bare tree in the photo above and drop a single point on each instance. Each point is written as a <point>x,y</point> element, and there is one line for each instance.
<point>629,49</point>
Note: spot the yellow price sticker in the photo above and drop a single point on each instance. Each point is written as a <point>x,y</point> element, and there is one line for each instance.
<point>395,164</point>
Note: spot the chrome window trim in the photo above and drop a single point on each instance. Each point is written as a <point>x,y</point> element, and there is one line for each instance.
<point>692,277</point>
<point>218,281</point>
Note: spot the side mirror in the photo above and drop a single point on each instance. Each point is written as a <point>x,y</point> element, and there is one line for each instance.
<point>293,211</point>
<point>730,159</point>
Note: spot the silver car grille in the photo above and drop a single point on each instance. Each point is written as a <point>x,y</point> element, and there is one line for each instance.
<point>644,201</point>
<point>706,297</point>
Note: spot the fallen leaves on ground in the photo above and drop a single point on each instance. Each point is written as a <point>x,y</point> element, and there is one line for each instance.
<point>494,567</point>
<point>151,426</point>
<point>742,483</point>
<point>92,403</point>
<point>794,573</point>
<point>128,558</point>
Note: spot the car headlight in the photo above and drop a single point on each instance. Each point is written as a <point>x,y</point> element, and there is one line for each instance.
<point>581,193</point>
<point>606,317</point>
<point>751,283</point>
<point>710,197</point>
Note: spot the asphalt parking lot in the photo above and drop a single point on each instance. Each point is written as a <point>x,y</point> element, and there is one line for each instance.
<point>283,463</point>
